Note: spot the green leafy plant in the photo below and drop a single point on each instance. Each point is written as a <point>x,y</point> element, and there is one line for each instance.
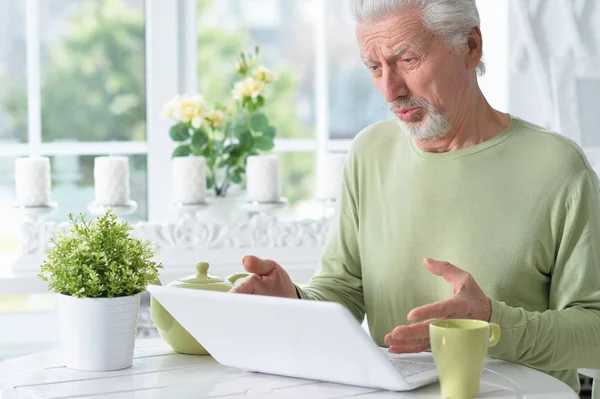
<point>225,135</point>
<point>99,259</point>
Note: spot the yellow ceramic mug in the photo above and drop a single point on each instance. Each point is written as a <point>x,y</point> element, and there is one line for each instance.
<point>459,350</point>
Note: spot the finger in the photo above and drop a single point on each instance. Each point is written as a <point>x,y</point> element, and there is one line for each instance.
<point>248,285</point>
<point>421,341</point>
<point>256,265</point>
<point>446,309</point>
<point>452,274</point>
<point>408,349</point>
<point>420,330</point>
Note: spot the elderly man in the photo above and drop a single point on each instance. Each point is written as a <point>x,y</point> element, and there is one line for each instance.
<point>505,214</point>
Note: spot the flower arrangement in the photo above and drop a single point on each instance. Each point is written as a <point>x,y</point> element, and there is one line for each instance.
<point>99,259</point>
<point>225,134</point>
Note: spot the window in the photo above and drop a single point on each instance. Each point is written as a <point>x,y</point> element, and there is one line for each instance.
<point>76,73</point>
<point>13,63</point>
<point>285,32</point>
<point>324,95</point>
<point>13,120</point>
<point>74,88</point>
<point>77,89</point>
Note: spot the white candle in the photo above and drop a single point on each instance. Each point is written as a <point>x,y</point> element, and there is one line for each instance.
<point>330,176</point>
<point>263,181</point>
<point>111,180</point>
<point>189,179</point>
<point>32,181</point>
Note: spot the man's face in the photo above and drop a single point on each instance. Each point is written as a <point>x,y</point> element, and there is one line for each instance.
<point>416,71</point>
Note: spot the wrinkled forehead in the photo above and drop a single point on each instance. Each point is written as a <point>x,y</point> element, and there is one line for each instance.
<point>403,28</point>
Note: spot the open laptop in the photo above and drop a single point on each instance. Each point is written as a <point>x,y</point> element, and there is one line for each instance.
<point>290,337</point>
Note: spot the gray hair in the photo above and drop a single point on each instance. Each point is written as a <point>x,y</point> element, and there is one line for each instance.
<point>453,19</point>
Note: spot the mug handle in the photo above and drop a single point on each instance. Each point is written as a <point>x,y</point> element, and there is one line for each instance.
<point>495,329</point>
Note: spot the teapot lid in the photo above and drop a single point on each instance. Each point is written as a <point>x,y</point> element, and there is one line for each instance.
<point>200,279</point>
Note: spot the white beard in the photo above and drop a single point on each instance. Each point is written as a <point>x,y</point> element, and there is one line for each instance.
<point>433,127</point>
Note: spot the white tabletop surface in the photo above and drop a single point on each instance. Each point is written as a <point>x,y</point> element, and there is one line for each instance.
<point>158,372</point>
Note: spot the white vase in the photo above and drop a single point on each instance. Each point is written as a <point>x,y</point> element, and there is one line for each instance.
<point>98,334</point>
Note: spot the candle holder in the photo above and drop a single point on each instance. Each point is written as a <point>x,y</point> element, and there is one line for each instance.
<point>264,207</point>
<point>36,213</point>
<point>189,209</point>
<point>120,210</point>
<point>35,233</point>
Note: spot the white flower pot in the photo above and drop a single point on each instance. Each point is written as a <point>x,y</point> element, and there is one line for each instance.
<point>98,334</point>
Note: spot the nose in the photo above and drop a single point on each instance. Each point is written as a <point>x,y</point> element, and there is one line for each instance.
<point>393,84</point>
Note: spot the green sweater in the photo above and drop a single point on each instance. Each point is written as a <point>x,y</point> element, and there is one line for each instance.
<point>520,212</point>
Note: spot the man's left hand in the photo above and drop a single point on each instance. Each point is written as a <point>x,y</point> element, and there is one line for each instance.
<point>467,302</point>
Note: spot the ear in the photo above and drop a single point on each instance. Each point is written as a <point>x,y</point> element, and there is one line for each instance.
<point>475,47</point>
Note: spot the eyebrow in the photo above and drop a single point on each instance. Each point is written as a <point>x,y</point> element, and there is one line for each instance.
<point>401,50</point>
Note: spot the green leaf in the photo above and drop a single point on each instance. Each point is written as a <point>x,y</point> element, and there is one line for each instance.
<point>179,132</point>
<point>241,129</point>
<point>228,129</point>
<point>210,161</point>
<point>210,182</point>
<point>260,101</point>
<point>222,163</point>
<point>199,138</point>
<point>230,148</point>
<point>99,259</point>
<point>237,179</point>
<point>259,122</point>
<point>196,151</point>
<point>250,105</point>
<point>270,131</point>
<point>182,151</point>
<point>246,142</point>
<point>234,154</point>
<point>264,143</point>
<point>238,170</point>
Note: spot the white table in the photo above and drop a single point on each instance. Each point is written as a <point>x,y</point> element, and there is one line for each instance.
<point>158,372</point>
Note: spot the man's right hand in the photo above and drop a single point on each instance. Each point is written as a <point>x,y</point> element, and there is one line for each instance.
<point>266,278</point>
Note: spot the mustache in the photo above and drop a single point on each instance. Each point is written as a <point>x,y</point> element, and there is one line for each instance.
<point>409,103</point>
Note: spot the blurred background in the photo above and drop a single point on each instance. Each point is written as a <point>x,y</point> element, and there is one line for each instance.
<point>75,75</point>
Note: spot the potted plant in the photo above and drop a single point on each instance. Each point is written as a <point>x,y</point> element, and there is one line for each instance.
<point>98,269</point>
<point>225,135</point>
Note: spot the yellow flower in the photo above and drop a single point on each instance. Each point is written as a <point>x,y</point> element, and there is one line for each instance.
<point>216,118</point>
<point>197,122</point>
<point>264,74</point>
<point>248,87</point>
<point>191,108</point>
<point>171,109</point>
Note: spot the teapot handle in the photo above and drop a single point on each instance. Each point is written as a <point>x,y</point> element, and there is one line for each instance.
<point>235,277</point>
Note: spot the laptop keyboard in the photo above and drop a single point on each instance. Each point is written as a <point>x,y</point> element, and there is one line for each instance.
<point>408,369</point>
